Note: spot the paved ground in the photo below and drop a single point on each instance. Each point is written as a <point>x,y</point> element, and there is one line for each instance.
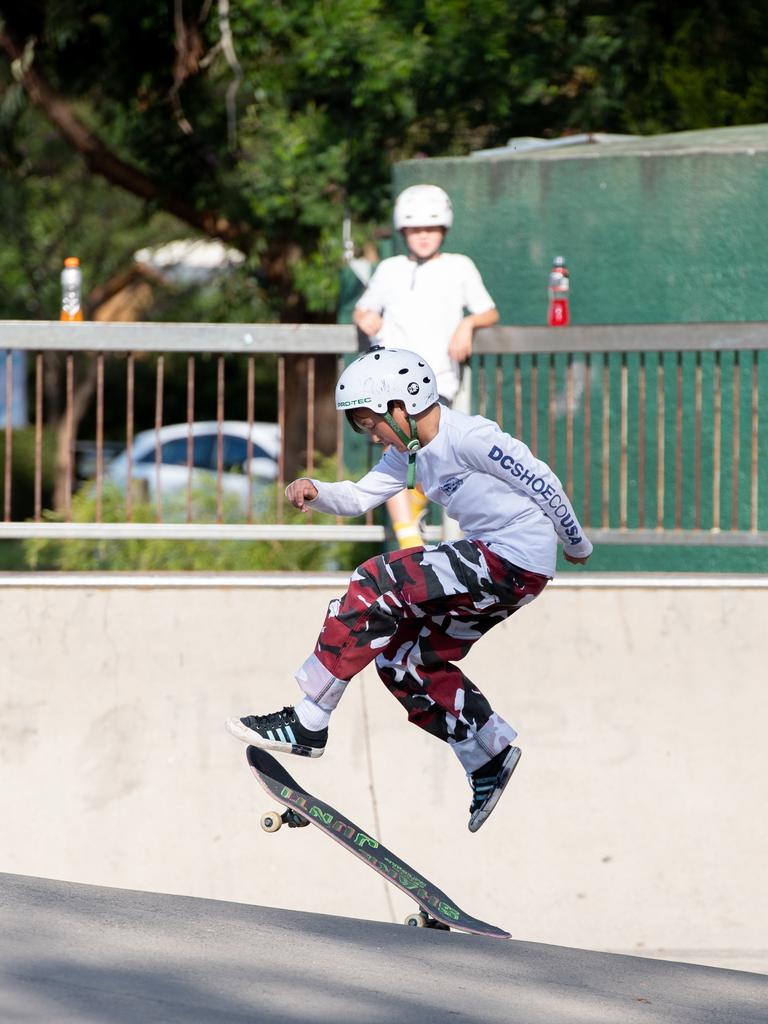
<point>89,954</point>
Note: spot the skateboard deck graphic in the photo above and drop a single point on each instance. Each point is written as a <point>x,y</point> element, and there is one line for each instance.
<point>438,909</point>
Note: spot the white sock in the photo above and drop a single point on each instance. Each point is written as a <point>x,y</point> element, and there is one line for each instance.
<point>311,715</point>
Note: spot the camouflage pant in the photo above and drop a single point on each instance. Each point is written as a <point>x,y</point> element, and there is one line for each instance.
<point>416,612</point>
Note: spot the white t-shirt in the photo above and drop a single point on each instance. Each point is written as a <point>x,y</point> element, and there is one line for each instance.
<point>487,480</point>
<point>422,305</point>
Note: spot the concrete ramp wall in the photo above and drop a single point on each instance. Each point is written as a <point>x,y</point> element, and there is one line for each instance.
<point>636,821</point>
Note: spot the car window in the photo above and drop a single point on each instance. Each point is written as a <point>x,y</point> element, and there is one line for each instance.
<point>149,455</point>
<point>235,452</point>
<point>203,455</point>
<point>174,453</point>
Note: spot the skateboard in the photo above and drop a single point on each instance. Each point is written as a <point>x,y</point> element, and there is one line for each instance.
<point>436,910</point>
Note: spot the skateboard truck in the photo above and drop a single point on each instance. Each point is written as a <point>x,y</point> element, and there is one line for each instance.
<point>423,920</point>
<point>273,820</point>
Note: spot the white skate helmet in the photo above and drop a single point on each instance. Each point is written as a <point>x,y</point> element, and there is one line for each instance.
<point>423,206</point>
<point>384,375</point>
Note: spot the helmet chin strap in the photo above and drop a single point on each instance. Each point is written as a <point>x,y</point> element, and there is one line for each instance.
<point>412,443</point>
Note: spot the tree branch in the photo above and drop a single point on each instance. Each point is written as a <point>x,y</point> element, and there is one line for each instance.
<point>101,160</point>
<point>228,45</point>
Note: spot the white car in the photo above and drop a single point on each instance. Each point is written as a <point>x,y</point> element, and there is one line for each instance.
<point>173,470</point>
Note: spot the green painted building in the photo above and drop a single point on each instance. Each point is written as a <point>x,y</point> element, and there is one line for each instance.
<point>657,229</point>
<point>654,230</point>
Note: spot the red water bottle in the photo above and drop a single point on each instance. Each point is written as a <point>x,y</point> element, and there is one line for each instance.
<point>558,314</point>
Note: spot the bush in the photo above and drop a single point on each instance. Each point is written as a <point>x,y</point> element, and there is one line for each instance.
<point>23,471</point>
<point>215,556</point>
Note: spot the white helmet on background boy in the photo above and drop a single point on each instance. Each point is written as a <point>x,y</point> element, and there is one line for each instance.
<point>423,206</point>
<point>384,375</point>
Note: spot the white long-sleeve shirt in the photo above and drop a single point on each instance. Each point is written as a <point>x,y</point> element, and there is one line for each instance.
<point>485,479</point>
<point>422,304</point>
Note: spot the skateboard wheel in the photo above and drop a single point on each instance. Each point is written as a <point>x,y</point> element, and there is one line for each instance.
<point>271,821</point>
<point>417,920</point>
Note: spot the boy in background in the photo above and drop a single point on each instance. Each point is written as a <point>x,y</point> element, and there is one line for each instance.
<point>429,302</point>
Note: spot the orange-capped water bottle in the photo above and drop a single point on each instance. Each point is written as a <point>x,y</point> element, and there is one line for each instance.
<point>71,284</point>
<point>558,314</point>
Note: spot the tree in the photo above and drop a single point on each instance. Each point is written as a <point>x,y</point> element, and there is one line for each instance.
<point>263,124</point>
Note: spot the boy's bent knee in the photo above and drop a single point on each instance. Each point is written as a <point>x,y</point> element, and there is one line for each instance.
<point>375,574</point>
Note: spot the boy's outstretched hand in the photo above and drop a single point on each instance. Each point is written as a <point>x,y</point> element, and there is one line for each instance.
<point>574,559</point>
<point>299,492</point>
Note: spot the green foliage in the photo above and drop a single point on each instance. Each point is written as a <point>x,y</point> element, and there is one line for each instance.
<point>23,471</point>
<point>233,297</point>
<point>23,486</point>
<point>53,208</point>
<point>156,555</point>
<point>330,95</point>
<point>715,67</point>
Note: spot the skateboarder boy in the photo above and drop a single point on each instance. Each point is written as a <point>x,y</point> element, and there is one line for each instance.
<point>417,611</point>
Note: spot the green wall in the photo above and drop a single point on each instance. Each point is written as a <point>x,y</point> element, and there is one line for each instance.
<point>661,229</point>
<point>664,229</point>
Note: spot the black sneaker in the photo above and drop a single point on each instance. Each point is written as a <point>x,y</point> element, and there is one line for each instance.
<point>488,782</point>
<point>279,731</point>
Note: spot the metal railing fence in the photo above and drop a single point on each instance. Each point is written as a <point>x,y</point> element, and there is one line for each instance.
<point>658,432</point>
